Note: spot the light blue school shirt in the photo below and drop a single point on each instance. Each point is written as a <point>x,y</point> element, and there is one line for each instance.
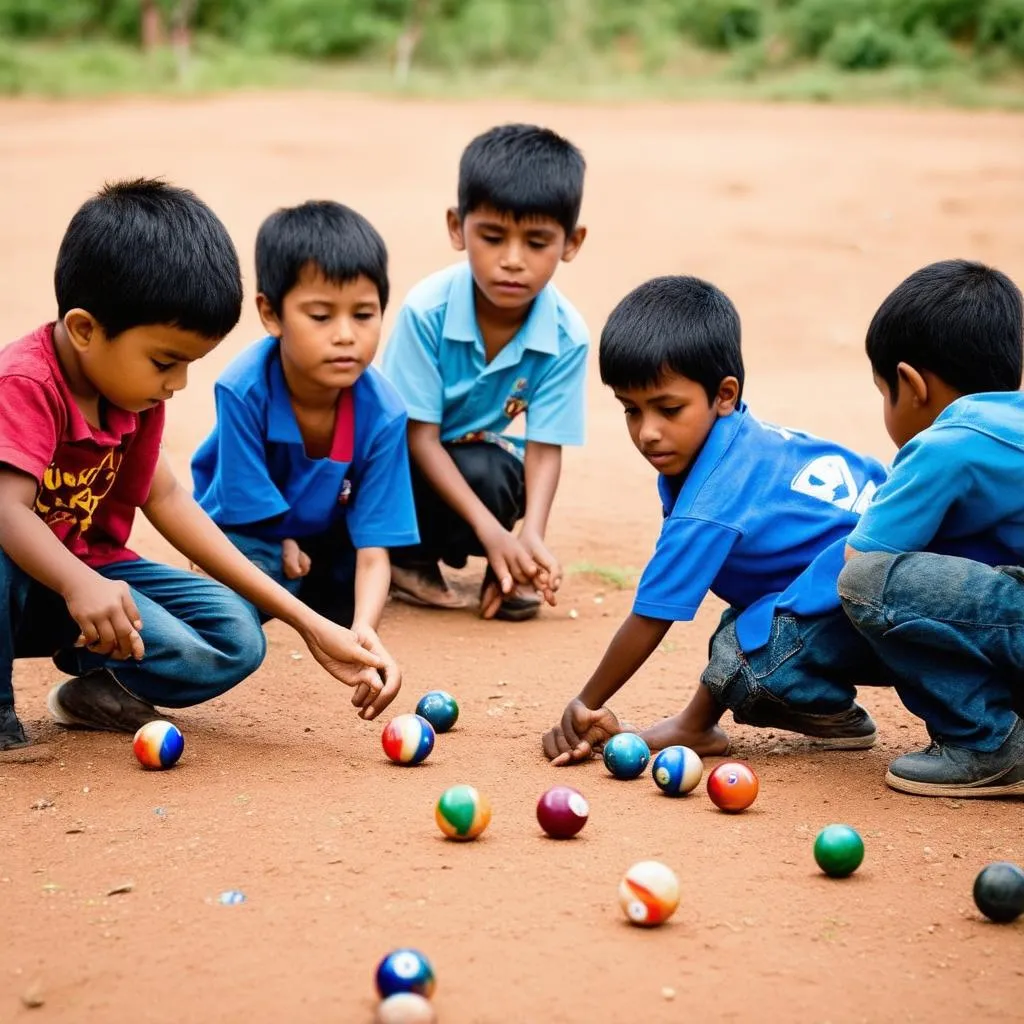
<point>436,360</point>
<point>252,472</point>
<point>956,488</point>
<point>761,520</point>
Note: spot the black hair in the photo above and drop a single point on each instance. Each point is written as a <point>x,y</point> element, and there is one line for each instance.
<point>958,319</point>
<point>144,252</point>
<point>673,324</point>
<point>524,171</point>
<point>340,243</point>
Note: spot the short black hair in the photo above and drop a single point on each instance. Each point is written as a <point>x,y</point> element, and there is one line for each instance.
<point>144,252</point>
<point>958,319</point>
<point>524,171</point>
<point>672,324</point>
<point>340,243</point>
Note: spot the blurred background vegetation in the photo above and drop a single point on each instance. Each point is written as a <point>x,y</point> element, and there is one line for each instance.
<point>965,51</point>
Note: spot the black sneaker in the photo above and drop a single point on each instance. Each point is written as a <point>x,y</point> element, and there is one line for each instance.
<point>944,770</point>
<point>98,701</point>
<point>12,735</point>
<point>850,729</point>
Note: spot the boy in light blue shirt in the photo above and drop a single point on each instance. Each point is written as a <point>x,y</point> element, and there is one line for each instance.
<point>935,573</point>
<point>475,347</point>
<point>756,514</point>
<point>307,469</point>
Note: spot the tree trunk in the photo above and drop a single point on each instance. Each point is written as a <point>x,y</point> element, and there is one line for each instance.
<point>405,47</point>
<point>181,34</point>
<point>152,25</point>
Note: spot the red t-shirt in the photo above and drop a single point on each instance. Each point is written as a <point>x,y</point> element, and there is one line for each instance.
<point>91,480</point>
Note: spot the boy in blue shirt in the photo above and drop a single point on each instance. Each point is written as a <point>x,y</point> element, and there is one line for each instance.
<point>935,572</point>
<point>757,514</point>
<point>474,347</point>
<point>307,469</point>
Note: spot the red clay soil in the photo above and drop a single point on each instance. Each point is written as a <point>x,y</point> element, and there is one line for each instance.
<point>806,217</point>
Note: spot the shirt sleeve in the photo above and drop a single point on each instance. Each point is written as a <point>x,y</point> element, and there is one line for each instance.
<point>31,418</point>
<point>383,514</point>
<point>239,489</point>
<point>688,558</point>
<point>906,513</point>
<point>557,410</point>
<point>412,364</point>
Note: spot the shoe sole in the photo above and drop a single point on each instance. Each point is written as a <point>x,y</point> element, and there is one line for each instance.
<point>842,742</point>
<point>960,792</point>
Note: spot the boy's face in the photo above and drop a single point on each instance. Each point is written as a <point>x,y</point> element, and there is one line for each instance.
<point>670,421</point>
<point>138,368</point>
<point>329,332</point>
<point>512,260</point>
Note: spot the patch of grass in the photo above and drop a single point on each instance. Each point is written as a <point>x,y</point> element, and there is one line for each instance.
<point>91,69</point>
<point>617,577</point>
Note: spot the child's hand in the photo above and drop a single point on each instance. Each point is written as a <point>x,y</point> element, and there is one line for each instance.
<point>340,652</point>
<point>295,562</point>
<point>549,572</point>
<point>509,559</point>
<point>580,731</point>
<point>391,674</point>
<point>107,617</point>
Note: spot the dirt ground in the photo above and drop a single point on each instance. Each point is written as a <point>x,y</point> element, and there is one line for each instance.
<point>806,217</point>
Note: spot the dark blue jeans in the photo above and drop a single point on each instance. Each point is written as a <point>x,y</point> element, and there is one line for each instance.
<point>329,588</point>
<point>951,633</point>
<point>201,639</point>
<point>812,664</point>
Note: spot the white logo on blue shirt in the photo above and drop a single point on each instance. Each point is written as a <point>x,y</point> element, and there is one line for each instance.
<point>830,479</point>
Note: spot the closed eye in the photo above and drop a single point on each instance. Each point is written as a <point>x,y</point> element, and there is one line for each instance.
<point>162,367</point>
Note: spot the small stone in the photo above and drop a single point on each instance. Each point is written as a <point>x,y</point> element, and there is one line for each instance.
<point>32,998</point>
<point>77,830</point>
<point>231,897</point>
<point>668,993</point>
<point>42,804</point>
<point>573,614</point>
<point>85,789</point>
<point>118,890</point>
<point>295,656</point>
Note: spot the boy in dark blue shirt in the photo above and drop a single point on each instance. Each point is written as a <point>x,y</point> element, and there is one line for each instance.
<point>307,468</point>
<point>757,514</point>
<point>935,572</point>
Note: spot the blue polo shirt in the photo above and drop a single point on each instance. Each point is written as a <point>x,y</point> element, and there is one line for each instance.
<point>436,359</point>
<point>956,488</point>
<point>252,473</point>
<point>760,520</point>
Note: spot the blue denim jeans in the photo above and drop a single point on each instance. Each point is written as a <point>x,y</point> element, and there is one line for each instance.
<point>812,664</point>
<point>328,589</point>
<point>201,639</point>
<point>951,632</point>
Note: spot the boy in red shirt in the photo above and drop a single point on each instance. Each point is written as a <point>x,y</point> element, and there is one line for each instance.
<point>147,281</point>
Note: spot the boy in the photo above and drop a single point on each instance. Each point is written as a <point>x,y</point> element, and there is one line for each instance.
<point>307,468</point>
<point>475,346</point>
<point>147,281</point>
<point>754,513</point>
<point>934,579</point>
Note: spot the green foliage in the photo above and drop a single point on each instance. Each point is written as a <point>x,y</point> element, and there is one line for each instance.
<point>863,46</point>
<point>722,24</point>
<point>754,36</point>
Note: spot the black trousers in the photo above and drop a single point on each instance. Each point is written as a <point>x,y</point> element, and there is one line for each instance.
<point>497,479</point>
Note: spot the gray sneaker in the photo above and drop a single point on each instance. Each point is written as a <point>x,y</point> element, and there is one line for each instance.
<point>943,770</point>
<point>850,729</point>
<point>98,701</point>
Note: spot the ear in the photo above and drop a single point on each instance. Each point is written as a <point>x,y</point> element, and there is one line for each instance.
<point>83,329</point>
<point>271,321</point>
<point>455,234</point>
<point>910,379</point>
<point>573,244</point>
<point>728,396</point>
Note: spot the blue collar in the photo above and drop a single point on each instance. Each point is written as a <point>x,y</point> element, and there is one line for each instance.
<point>539,331</point>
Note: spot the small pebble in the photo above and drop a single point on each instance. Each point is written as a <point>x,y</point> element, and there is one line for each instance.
<point>668,993</point>
<point>231,897</point>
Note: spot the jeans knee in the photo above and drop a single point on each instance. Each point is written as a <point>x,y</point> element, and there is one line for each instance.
<point>243,645</point>
<point>862,586</point>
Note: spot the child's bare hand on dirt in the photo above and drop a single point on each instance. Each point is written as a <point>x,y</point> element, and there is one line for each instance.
<point>581,730</point>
